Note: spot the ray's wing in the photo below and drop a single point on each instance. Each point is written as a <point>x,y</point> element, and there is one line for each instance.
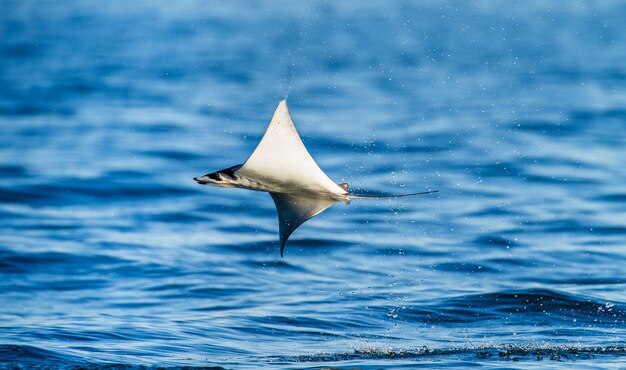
<point>282,161</point>
<point>295,209</point>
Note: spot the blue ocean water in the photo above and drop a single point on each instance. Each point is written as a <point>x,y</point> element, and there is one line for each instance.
<point>111,255</point>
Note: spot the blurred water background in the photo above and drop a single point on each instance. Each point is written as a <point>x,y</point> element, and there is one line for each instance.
<point>111,254</point>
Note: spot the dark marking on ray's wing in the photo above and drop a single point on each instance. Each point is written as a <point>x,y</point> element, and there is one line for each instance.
<point>230,171</point>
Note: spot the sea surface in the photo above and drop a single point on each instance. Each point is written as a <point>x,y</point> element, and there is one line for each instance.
<point>112,256</point>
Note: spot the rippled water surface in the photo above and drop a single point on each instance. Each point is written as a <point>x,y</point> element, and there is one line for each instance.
<point>514,111</point>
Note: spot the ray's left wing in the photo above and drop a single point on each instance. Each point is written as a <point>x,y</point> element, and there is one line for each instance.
<point>282,162</point>
<point>295,209</point>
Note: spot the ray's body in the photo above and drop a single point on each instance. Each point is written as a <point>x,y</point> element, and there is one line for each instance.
<point>282,166</point>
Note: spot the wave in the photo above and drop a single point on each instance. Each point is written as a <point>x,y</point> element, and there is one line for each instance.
<point>25,356</point>
<point>515,352</point>
<point>527,304</point>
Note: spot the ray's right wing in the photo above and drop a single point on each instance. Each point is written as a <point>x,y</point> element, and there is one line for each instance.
<point>294,209</point>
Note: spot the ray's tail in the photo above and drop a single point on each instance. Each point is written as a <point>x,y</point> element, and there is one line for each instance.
<point>344,186</point>
<point>363,196</point>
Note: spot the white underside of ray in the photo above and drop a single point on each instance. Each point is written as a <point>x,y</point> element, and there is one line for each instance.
<point>282,164</point>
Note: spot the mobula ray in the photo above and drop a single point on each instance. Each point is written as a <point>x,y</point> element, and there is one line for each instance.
<point>282,166</point>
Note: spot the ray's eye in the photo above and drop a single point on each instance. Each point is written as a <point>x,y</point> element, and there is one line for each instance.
<point>215,176</point>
